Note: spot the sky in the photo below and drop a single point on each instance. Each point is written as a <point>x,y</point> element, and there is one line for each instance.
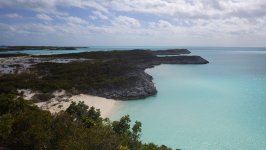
<point>240,23</point>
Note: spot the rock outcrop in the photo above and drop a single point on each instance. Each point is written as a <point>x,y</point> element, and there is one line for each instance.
<point>141,88</point>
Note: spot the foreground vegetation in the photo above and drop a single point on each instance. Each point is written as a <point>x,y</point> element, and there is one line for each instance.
<point>24,126</point>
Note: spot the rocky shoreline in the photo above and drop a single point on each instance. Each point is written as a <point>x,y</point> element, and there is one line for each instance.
<point>144,86</point>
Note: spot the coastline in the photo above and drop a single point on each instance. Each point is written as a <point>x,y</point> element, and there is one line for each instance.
<point>106,106</point>
<point>110,74</point>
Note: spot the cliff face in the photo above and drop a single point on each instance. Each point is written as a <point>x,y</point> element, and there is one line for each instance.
<point>141,87</point>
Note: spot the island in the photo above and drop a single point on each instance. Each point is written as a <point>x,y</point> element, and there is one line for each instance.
<point>21,48</point>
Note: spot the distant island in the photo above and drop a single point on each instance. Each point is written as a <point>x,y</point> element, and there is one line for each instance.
<point>21,48</point>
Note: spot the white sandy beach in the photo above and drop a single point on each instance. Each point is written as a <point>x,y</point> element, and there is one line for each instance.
<point>105,105</point>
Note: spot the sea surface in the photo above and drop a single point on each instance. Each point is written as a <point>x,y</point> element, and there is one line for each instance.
<point>217,106</point>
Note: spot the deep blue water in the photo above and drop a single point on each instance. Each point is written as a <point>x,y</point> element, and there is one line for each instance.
<point>220,105</point>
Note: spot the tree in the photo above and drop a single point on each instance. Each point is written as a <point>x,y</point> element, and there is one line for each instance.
<point>77,110</point>
<point>6,122</point>
<point>122,126</point>
<point>10,103</point>
<point>94,114</point>
<point>136,130</point>
<point>32,130</point>
<point>80,112</point>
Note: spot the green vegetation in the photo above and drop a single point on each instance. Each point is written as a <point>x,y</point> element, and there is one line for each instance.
<point>133,57</point>
<point>73,77</point>
<point>115,54</point>
<point>110,74</point>
<point>12,55</point>
<point>21,48</point>
<point>24,126</point>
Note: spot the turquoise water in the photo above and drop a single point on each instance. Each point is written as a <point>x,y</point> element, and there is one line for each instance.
<point>221,105</point>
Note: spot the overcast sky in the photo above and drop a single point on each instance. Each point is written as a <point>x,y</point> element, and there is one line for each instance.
<point>133,22</point>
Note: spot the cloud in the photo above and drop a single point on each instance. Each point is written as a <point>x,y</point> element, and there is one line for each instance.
<point>75,20</point>
<point>192,9</point>
<point>164,24</point>
<point>36,5</point>
<point>98,14</point>
<point>159,21</point>
<point>94,4</point>
<point>44,17</point>
<point>13,15</point>
<point>50,6</point>
<point>125,21</point>
<point>166,8</point>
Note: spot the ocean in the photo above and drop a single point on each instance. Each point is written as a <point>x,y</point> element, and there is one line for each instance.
<point>220,105</point>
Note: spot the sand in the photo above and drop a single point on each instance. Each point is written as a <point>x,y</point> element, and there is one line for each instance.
<point>55,105</point>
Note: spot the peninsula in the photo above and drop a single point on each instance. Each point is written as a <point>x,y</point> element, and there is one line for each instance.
<point>117,74</point>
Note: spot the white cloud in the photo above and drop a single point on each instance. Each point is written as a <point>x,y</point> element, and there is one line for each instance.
<point>13,15</point>
<point>44,17</point>
<point>50,6</point>
<point>192,9</point>
<point>125,21</point>
<point>158,21</point>
<point>94,4</point>
<point>93,17</point>
<point>164,24</point>
<point>36,5</point>
<point>72,19</point>
<point>100,15</point>
<point>76,20</point>
<point>176,8</point>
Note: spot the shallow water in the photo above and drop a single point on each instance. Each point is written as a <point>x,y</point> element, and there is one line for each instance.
<point>221,105</point>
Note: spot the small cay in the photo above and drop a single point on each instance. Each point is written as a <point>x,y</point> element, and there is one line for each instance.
<point>111,74</point>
